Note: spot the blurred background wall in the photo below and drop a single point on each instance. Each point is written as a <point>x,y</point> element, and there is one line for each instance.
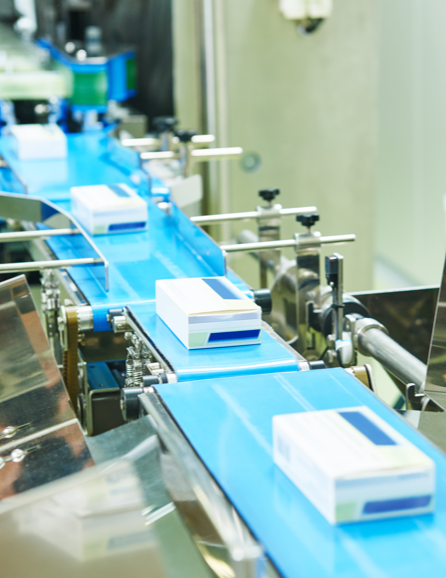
<point>350,118</point>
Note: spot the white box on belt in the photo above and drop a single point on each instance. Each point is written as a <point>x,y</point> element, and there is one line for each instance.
<point>38,141</point>
<point>352,465</point>
<point>109,209</point>
<point>208,312</point>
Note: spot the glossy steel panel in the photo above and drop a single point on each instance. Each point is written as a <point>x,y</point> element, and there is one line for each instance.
<point>40,438</point>
<point>113,520</point>
<point>221,536</point>
<point>436,371</point>
<point>407,314</point>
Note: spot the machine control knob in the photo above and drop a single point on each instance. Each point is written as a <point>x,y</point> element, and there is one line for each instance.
<point>308,220</point>
<point>164,123</point>
<point>262,298</point>
<point>185,135</point>
<point>269,194</point>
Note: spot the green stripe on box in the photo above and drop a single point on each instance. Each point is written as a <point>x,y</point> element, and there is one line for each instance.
<point>345,512</point>
<point>197,339</point>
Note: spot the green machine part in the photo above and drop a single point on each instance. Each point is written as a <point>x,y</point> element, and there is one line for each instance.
<point>90,88</point>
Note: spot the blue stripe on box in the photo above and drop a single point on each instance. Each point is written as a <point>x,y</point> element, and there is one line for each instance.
<point>126,226</point>
<point>394,505</point>
<point>362,423</point>
<point>221,288</point>
<point>234,335</point>
<point>118,190</point>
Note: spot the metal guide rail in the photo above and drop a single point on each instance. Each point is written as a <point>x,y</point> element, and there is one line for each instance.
<point>271,355</point>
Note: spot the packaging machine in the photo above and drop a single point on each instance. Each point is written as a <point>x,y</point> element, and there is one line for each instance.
<point>189,432</point>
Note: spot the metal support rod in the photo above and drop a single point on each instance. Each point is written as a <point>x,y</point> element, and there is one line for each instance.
<point>226,153</point>
<point>376,343</point>
<point>40,265</point>
<point>333,240</point>
<point>211,219</point>
<point>30,235</point>
<point>159,156</point>
<point>141,142</point>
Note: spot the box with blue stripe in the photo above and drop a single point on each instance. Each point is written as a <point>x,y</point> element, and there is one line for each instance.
<point>103,209</point>
<point>352,465</point>
<point>208,312</point>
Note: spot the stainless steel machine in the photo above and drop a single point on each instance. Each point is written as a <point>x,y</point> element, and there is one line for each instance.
<point>123,451</point>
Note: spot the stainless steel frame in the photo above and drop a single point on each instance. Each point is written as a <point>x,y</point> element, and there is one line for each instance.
<point>220,534</point>
<point>37,210</point>
<point>40,437</point>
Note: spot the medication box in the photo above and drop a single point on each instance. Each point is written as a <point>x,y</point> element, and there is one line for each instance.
<point>38,141</point>
<point>352,465</point>
<point>208,312</point>
<point>109,209</point>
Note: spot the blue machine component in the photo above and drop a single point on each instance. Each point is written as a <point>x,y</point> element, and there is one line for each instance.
<point>115,66</point>
<point>100,376</point>
<point>229,423</point>
<point>266,357</point>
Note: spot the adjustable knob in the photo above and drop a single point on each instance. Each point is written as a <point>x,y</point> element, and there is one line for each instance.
<point>308,220</point>
<point>262,298</point>
<point>164,123</point>
<point>185,135</point>
<point>269,194</point>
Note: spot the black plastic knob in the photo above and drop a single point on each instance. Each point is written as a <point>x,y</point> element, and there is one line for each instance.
<point>185,135</point>
<point>165,123</point>
<point>262,298</point>
<point>308,220</point>
<point>269,194</point>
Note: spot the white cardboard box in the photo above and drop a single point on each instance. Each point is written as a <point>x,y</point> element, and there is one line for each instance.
<point>109,209</point>
<point>208,312</point>
<point>39,141</point>
<point>352,465</point>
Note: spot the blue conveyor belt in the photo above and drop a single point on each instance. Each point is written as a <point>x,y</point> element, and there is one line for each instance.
<point>267,357</point>
<point>171,248</point>
<point>229,423</point>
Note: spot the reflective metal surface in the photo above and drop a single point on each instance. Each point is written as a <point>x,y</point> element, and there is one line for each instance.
<point>285,243</point>
<point>247,216</point>
<point>102,522</point>
<point>36,210</point>
<point>220,534</point>
<point>436,372</point>
<point>407,314</point>
<point>40,438</point>
<point>370,338</point>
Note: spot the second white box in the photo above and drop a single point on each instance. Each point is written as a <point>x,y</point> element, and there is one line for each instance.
<point>208,312</point>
